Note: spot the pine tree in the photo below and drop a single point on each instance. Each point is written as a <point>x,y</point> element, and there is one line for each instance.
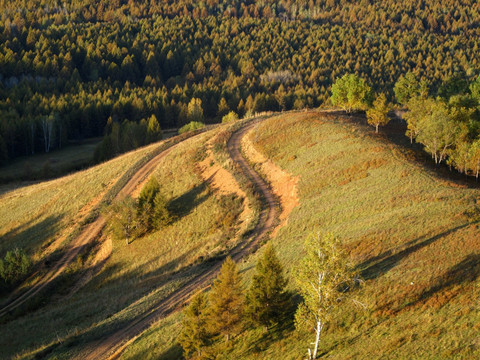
<point>154,133</point>
<point>226,301</point>
<point>267,299</point>
<point>194,335</point>
<point>152,206</point>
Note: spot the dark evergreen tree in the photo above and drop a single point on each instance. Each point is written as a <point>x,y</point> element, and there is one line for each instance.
<point>267,300</point>
<point>226,301</point>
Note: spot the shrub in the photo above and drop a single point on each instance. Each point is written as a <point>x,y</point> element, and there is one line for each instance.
<point>15,266</point>
<point>230,117</point>
<point>193,125</point>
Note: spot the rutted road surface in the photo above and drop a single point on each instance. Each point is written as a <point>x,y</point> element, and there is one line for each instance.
<point>113,345</point>
<point>89,234</point>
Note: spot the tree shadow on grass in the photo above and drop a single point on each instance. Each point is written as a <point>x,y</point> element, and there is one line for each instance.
<point>379,265</point>
<point>394,133</point>
<point>20,235</point>
<point>174,352</point>
<point>466,271</point>
<point>184,204</point>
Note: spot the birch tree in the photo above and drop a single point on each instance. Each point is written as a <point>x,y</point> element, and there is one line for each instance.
<point>123,219</point>
<point>48,123</point>
<point>350,92</point>
<point>378,114</point>
<point>323,278</point>
<point>438,132</point>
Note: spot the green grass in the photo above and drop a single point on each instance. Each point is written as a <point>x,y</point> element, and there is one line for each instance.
<point>31,216</point>
<point>136,275</point>
<point>50,165</point>
<point>411,234</point>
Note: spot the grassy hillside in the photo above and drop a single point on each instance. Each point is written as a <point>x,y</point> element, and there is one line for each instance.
<point>411,234</point>
<point>135,275</point>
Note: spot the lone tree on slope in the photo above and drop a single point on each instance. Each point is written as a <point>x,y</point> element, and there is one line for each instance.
<point>323,279</point>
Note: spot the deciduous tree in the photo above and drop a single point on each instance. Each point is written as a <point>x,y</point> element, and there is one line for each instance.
<point>378,114</point>
<point>323,278</point>
<point>350,92</point>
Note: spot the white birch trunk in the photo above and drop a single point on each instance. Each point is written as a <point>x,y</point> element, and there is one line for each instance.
<point>317,338</point>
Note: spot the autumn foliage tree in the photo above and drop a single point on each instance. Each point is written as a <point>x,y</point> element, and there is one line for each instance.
<point>350,92</point>
<point>324,278</point>
<point>378,114</point>
<point>194,336</point>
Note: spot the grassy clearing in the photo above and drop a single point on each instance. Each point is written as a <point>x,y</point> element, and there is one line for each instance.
<point>137,275</point>
<point>43,210</point>
<point>47,166</point>
<point>412,235</point>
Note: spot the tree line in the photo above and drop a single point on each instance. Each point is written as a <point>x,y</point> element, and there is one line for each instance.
<point>65,70</point>
<point>447,123</point>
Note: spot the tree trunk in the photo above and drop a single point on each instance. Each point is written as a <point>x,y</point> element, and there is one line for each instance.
<point>376,128</point>
<point>317,338</point>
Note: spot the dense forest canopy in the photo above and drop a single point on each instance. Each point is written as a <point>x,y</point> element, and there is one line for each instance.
<point>66,68</point>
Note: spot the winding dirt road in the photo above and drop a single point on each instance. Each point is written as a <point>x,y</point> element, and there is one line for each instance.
<point>89,234</point>
<point>114,344</point>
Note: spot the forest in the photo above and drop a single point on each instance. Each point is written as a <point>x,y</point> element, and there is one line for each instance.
<point>70,70</point>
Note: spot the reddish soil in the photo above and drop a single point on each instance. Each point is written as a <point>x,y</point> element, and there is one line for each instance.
<point>283,184</point>
<point>224,182</point>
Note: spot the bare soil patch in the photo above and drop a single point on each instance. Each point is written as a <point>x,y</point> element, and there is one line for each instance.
<point>283,184</point>
<point>223,182</point>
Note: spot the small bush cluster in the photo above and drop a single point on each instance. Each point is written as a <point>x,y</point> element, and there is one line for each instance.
<point>193,125</point>
<point>131,219</point>
<point>15,266</point>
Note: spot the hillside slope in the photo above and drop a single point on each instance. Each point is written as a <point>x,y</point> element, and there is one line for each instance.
<point>411,234</point>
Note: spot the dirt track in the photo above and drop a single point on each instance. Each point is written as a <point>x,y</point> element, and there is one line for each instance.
<point>90,233</point>
<point>112,346</point>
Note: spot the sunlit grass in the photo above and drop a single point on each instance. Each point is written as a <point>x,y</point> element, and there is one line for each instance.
<point>137,275</point>
<point>411,234</point>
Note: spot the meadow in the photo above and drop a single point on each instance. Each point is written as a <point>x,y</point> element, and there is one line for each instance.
<point>410,233</point>
<point>149,267</point>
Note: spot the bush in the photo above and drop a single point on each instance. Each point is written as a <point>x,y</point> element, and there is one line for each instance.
<point>230,117</point>
<point>193,125</point>
<point>15,266</point>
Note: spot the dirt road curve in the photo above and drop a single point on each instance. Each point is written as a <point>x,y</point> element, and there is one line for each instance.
<point>90,233</point>
<point>112,346</point>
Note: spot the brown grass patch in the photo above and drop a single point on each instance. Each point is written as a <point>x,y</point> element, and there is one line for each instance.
<point>360,171</point>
